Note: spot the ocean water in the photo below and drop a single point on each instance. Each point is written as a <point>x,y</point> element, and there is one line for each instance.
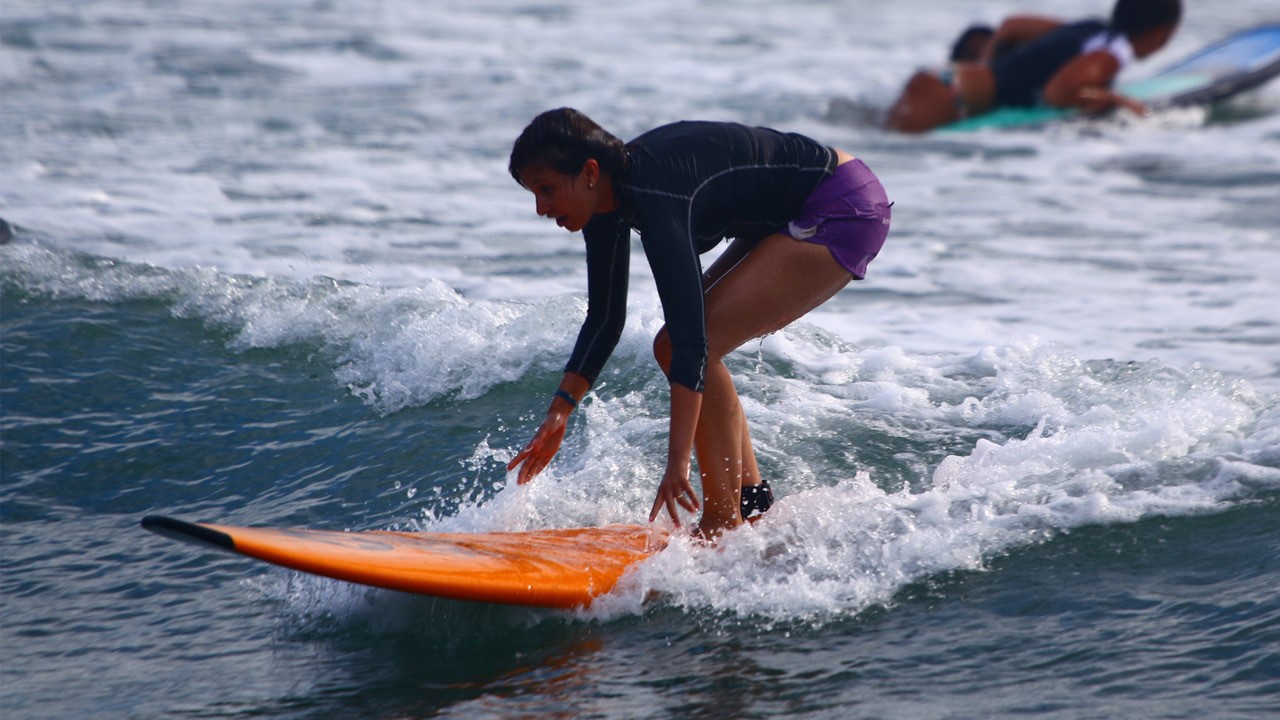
<point>267,268</point>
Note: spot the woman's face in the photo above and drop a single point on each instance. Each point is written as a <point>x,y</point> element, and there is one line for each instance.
<point>569,199</point>
<point>1149,42</point>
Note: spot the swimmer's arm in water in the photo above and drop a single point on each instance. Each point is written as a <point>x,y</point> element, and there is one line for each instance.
<point>1085,84</point>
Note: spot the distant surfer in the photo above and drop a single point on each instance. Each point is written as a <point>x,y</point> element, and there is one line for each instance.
<point>1031,60</point>
<point>806,219</point>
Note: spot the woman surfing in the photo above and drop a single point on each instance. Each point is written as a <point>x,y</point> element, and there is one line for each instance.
<point>805,220</point>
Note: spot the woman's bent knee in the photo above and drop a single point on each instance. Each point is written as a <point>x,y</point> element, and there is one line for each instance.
<point>662,350</point>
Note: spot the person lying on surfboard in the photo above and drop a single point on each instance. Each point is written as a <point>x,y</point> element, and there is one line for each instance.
<point>805,218</point>
<point>1034,60</point>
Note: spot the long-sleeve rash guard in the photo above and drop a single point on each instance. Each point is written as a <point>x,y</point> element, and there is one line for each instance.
<point>687,186</point>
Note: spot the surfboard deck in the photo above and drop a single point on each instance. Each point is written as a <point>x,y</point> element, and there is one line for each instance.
<point>1241,62</point>
<point>559,568</point>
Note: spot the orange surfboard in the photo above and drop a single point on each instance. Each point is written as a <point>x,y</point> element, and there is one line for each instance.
<point>562,568</point>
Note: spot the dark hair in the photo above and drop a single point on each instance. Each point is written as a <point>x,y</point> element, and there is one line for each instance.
<point>563,140</point>
<point>963,49</point>
<point>1133,17</point>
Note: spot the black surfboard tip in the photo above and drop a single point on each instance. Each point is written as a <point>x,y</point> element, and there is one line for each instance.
<point>188,532</point>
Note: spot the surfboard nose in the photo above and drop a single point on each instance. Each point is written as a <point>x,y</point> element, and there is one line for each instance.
<point>188,532</point>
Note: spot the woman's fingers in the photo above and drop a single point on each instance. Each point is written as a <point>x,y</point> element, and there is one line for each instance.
<point>687,498</point>
<point>674,494</point>
<point>670,504</point>
<point>519,458</point>
<point>664,501</point>
<point>688,501</point>
<point>538,453</point>
<point>532,466</point>
<point>671,510</point>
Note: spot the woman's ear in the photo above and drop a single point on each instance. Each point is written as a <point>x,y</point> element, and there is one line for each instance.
<point>590,172</point>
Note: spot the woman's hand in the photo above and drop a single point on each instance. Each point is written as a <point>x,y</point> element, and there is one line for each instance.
<point>1134,106</point>
<point>675,489</point>
<point>544,445</point>
<point>1097,99</point>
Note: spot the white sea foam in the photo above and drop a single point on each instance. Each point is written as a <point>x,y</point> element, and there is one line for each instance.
<point>1106,443</point>
<point>1140,443</point>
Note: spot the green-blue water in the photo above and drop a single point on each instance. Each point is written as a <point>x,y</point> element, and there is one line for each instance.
<point>115,410</point>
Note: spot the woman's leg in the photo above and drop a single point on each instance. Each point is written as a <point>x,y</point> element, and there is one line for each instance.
<point>781,279</point>
<point>925,103</point>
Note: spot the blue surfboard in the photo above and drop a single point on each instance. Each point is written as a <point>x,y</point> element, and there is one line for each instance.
<point>1243,61</point>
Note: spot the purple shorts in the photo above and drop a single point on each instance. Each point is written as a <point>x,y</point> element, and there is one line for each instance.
<point>849,213</point>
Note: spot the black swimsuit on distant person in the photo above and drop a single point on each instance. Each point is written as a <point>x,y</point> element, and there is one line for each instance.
<point>1020,76</point>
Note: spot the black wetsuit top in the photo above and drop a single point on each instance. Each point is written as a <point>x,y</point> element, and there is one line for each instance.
<point>686,187</point>
<point>1021,75</point>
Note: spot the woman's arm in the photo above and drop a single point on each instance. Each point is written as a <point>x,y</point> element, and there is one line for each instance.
<point>675,488</point>
<point>680,283</point>
<point>1085,83</point>
<point>608,259</point>
<point>608,244</point>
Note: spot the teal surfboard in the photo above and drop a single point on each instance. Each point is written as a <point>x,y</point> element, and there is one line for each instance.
<point>1243,61</point>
